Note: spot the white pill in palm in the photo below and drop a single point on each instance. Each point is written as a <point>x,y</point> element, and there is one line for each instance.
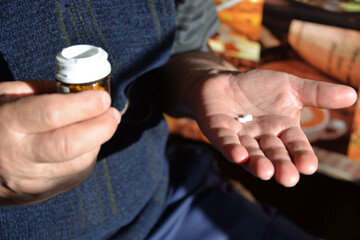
<point>241,120</point>
<point>248,117</point>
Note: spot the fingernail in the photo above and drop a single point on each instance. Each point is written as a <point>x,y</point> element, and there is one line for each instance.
<point>106,99</point>
<point>117,115</point>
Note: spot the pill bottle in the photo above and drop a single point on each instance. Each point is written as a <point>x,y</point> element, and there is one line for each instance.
<point>82,67</point>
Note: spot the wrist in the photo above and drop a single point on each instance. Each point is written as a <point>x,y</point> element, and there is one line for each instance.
<point>184,76</point>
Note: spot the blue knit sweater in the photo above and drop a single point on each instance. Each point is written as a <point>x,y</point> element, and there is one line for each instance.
<point>124,196</point>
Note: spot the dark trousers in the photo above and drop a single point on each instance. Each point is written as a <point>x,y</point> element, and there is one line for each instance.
<point>202,205</point>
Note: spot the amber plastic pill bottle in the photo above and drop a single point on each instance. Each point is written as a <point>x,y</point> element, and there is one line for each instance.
<point>82,67</point>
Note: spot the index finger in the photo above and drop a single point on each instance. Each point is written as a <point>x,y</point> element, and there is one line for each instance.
<point>47,112</point>
<point>30,87</point>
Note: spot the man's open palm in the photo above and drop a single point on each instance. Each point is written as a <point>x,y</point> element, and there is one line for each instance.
<point>272,144</point>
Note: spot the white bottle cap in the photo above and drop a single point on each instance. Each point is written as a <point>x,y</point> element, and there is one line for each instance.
<point>81,64</point>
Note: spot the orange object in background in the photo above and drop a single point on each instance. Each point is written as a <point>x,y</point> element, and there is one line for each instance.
<point>243,16</point>
<point>185,127</point>
<point>239,32</point>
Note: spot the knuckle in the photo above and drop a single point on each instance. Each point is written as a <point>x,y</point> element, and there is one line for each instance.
<point>26,179</point>
<point>24,186</point>
<point>64,149</point>
<point>51,114</point>
<point>6,114</point>
<point>13,179</point>
<point>67,150</point>
<point>53,148</point>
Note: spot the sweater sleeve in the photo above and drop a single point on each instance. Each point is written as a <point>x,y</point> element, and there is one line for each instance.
<point>196,21</point>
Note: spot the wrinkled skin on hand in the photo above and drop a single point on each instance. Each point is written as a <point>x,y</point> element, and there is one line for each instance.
<point>272,144</point>
<point>49,142</point>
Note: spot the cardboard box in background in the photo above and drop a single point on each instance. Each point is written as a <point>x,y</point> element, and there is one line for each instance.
<point>243,16</point>
<point>239,32</point>
<point>333,50</point>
